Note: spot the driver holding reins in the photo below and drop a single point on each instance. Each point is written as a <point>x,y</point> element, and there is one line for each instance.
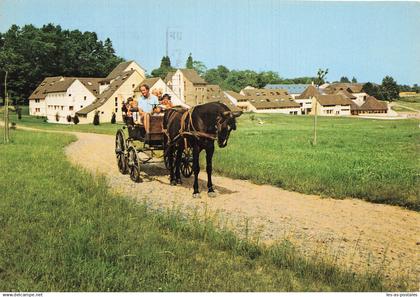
<point>147,104</point>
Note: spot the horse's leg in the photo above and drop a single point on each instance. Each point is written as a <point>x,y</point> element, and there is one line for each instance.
<point>196,169</point>
<point>178,159</point>
<point>171,164</point>
<point>209,158</point>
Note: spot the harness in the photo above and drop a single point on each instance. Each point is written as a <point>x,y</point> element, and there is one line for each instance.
<point>189,129</point>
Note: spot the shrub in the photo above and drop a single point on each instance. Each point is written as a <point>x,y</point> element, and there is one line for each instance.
<point>69,118</point>
<point>75,119</point>
<point>113,120</point>
<point>96,118</point>
<point>57,117</point>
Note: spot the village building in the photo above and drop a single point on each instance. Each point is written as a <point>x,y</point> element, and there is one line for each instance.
<point>57,98</point>
<point>264,101</point>
<point>305,99</point>
<point>61,98</point>
<point>331,105</point>
<point>371,105</point>
<point>293,89</point>
<point>271,94</point>
<point>215,94</point>
<point>188,86</point>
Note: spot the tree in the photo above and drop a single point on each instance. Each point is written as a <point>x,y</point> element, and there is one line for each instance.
<point>321,74</point>
<point>164,69</point>
<point>69,118</point>
<point>30,54</point>
<point>199,67</point>
<point>354,80</point>
<point>189,64</point>
<point>113,118</point>
<point>96,118</point>
<point>390,89</point>
<point>344,79</point>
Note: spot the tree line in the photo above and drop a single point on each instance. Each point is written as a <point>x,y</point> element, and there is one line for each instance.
<point>227,79</point>
<point>30,54</point>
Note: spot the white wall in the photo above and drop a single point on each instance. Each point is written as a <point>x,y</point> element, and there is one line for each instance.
<point>37,103</point>
<point>178,85</point>
<point>114,102</point>
<point>280,110</point>
<point>306,104</point>
<point>360,98</point>
<point>231,98</point>
<point>67,103</point>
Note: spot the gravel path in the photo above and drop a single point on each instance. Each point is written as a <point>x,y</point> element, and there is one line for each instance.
<point>358,233</point>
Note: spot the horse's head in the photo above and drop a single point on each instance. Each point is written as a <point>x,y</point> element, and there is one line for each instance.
<point>226,122</point>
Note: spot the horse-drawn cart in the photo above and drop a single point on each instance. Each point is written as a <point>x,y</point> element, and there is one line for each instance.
<point>134,148</point>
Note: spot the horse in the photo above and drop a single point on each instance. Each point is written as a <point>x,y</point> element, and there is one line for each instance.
<point>200,127</point>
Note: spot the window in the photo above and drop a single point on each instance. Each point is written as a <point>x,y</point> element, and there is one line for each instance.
<point>70,107</point>
<point>116,109</point>
<point>102,112</point>
<point>69,95</point>
<point>81,106</point>
<point>37,109</point>
<point>62,107</point>
<point>84,98</point>
<point>133,85</point>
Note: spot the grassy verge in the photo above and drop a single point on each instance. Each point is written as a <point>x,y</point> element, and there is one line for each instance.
<point>375,160</point>
<point>61,230</point>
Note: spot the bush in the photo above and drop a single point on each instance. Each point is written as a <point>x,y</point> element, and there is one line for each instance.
<point>96,118</point>
<point>113,120</point>
<point>69,118</point>
<point>57,117</point>
<point>75,119</point>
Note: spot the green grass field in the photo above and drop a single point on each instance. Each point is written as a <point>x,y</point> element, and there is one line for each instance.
<point>61,230</point>
<point>375,160</point>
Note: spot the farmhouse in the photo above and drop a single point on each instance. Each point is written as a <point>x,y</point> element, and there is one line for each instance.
<point>271,94</point>
<point>188,86</point>
<point>305,99</point>
<point>331,105</point>
<point>61,98</point>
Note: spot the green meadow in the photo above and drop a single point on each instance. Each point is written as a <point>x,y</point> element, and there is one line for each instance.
<point>374,160</point>
<point>62,230</point>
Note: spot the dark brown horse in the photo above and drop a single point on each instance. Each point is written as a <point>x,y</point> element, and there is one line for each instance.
<point>200,126</point>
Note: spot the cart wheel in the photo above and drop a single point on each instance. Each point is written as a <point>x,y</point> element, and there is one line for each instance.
<point>186,163</point>
<point>120,151</point>
<point>134,165</point>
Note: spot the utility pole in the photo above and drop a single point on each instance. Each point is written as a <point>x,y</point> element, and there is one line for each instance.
<point>6,111</point>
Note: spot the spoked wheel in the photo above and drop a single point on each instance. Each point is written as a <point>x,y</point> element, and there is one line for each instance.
<point>134,164</point>
<point>186,163</point>
<point>120,152</point>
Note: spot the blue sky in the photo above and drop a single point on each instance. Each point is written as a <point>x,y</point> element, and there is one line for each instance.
<point>367,40</point>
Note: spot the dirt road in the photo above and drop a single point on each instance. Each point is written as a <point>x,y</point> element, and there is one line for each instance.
<point>358,233</point>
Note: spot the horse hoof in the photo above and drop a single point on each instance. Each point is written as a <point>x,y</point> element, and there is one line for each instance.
<point>173,182</point>
<point>196,195</point>
<point>212,194</point>
<point>179,181</point>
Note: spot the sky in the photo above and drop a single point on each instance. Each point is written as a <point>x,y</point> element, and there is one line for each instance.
<point>367,40</point>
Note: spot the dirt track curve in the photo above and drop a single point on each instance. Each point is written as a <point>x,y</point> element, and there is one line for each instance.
<point>361,234</point>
